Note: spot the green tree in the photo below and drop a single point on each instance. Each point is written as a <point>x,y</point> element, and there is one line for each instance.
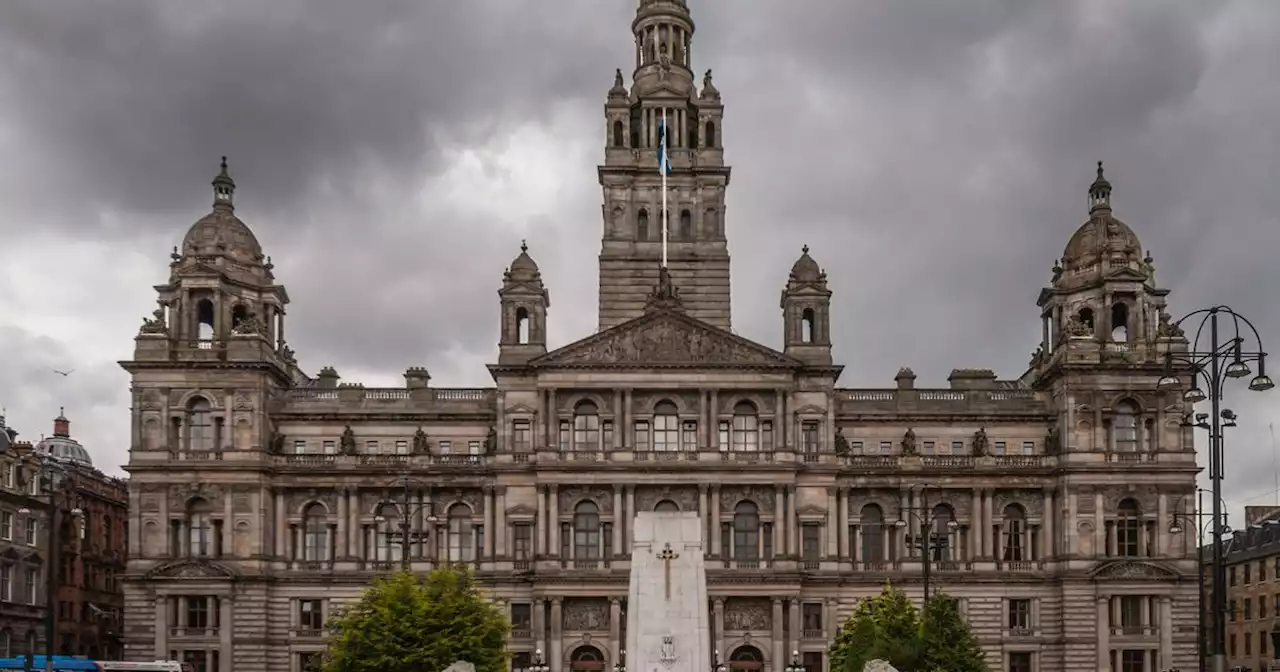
<point>946,641</point>
<point>885,627</point>
<point>411,623</point>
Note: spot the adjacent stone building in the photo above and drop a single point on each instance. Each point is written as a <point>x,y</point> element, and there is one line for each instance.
<point>1252,559</point>
<point>264,497</point>
<point>22,577</point>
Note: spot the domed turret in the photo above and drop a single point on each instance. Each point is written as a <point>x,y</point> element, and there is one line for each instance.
<point>806,312</point>
<point>61,445</point>
<point>523,267</point>
<point>524,301</point>
<point>1102,244</point>
<point>221,233</point>
<point>806,269</point>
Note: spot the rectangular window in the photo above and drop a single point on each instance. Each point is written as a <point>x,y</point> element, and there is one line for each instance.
<point>928,448</point>
<point>1262,570</point>
<point>308,661</point>
<point>1248,609</point>
<point>521,436</point>
<point>521,619</point>
<point>1133,660</point>
<point>811,542</point>
<point>522,538</point>
<point>666,433</point>
<point>642,435</point>
<point>957,448</point>
<point>473,448</point>
<point>299,447</point>
<point>330,447</point>
<point>1262,606</point>
<point>1019,661</point>
<point>1231,609</point>
<point>1263,636</point>
<point>1131,614</point>
<point>371,447</point>
<point>811,617</point>
<point>6,583</point>
<point>565,436</point>
<point>1231,645</point>
<point>30,584</point>
<point>1028,447</point>
<point>445,447</point>
<point>10,474</point>
<point>1248,574</point>
<point>810,437</point>
<point>198,615</point>
<point>33,486</point>
<point>1000,448</point>
<point>766,435</point>
<point>29,532</point>
<point>311,615</point>
<point>886,447</point>
<point>1248,643</point>
<point>606,434</point>
<point>723,435</point>
<point>402,447</point>
<point>1231,576</point>
<point>855,447</point>
<point>689,436</point>
<point>6,525</point>
<point>1019,614</point>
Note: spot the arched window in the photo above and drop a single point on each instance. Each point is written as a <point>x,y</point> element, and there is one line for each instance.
<point>389,545</point>
<point>586,531</point>
<point>202,434</point>
<point>710,133</point>
<point>1014,521</point>
<point>746,427</point>
<point>1119,322</point>
<point>204,320</point>
<point>522,325</point>
<point>807,323</point>
<point>1124,427</point>
<point>617,134</point>
<point>586,658</point>
<point>462,545</point>
<point>666,427</point>
<point>586,426</point>
<point>871,527</point>
<point>238,314</point>
<point>667,505</point>
<point>686,225</point>
<point>315,533</point>
<point>642,225</point>
<point>199,528</point>
<point>944,524</point>
<point>1128,528</point>
<point>746,532</point>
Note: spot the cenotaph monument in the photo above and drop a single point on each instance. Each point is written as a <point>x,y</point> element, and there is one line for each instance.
<point>668,627</point>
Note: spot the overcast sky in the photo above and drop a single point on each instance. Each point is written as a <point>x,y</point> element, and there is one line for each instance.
<point>391,154</point>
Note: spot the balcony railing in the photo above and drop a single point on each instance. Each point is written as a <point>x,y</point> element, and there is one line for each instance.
<point>813,633</point>
<point>306,633</point>
<point>189,632</point>
<point>1134,630</point>
<point>1020,631</point>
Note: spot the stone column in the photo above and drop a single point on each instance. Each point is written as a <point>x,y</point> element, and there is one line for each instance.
<point>714,507</point>
<point>702,513</point>
<point>553,506</point>
<point>353,522</point>
<point>717,617</point>
<point>793,523</point>
<point>226,634</point>
<point>833,523</point>
<point>1049,517</point>
<point>1162,526</point>
<point>1166,633</point>
<point>490,530</point>
<point>615,627</point>
<point>778,644</point>
<point>704,420</point>
<point>555,647</point>
<point>619,517</point>
<point>543,430</point>
<point>1103,617</point>
<point>540,627</point>
<point>715,419</point>
<point>619,427</point>
<point>162,628</point>
<point>988,512</point>
<point>975,525</point>
<point>779,520</point>
<point>543,526</point>
<point>796,632</point>
<point>631,516</point>
<point>344,525</point>
<point>625,430</point>
<point>500,521</point>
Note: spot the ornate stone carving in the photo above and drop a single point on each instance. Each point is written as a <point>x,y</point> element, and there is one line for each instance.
<point>243,401</point>
<point>190,569</point>
<point>761,495</point>
<point>154,324</point>
<point>150,503</point>
<point>491,442</point>
<point>151,400</point>
<point>1077,328</point>
<point>1052,440</point>
<point>249,326</point>
<point>241,503</point>
<point>570,496</point>
<point>667,651</point>
<point>275,445</point>
<point>180,495</point>
<point>444,499</point>
<point>647,497</point>
<point>842,443</point>
<point>1132,571</point>
<point>665,339</point>
<point>981,444</point>
<point>909,442</point>
<point>300,498</point>
<point>348,441</point>
<point>586,614</point>
<point>1030,501</point>
<point>748,614</point>
<point>1166,328</point>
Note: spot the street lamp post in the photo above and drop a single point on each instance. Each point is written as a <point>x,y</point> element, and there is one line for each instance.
<point>50,475</point>
<point>539,665</point>
<point>716,665</point>
<point>408,510</point>
<point>621,665</point>
<point>1214,366</point>
<point>927,541</point>
<point>795,665</point>
<point>1175,527</point>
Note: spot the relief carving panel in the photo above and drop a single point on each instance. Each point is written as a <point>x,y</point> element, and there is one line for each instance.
<point>748,613</point>
<point>586,614</point>
<point>761,495</point>
<point>570,496</point>
<point>300,498</point>
<point>668,340</point>
<point>1032,502</point>
<point>180,495</point>
<point>445,499</point>
<point>888,501</point>
<point>686,497</point>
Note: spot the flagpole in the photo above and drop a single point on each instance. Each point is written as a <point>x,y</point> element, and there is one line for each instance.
<point>662,166</point>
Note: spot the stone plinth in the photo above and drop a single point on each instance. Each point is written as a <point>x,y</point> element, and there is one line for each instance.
<point>668,626</point>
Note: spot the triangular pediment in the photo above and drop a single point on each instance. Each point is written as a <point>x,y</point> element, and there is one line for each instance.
<point>520,408</point>
<point>665,339</point>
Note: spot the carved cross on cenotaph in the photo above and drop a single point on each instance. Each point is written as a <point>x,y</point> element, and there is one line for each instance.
<point>666,556</point>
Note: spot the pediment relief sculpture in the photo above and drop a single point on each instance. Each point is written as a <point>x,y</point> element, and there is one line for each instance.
<point>1130,570</point>
<point>665,339</point>
<point>190,569</point>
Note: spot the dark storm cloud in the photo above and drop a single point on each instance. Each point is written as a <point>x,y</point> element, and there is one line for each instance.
<point>935,155</point>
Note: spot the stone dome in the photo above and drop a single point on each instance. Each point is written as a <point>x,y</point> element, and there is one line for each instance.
<point>61,446</point>
<point>221,233</point>
<point>805,269</point>
<point>1101,236</point>
<point>523,267</point>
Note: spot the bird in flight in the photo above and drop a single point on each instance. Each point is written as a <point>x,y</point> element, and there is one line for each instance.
<point>64,374</point>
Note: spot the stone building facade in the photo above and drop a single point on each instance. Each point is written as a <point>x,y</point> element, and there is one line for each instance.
<point>22,555</point>
<point>1252,559</point>
<point>264,497</point>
